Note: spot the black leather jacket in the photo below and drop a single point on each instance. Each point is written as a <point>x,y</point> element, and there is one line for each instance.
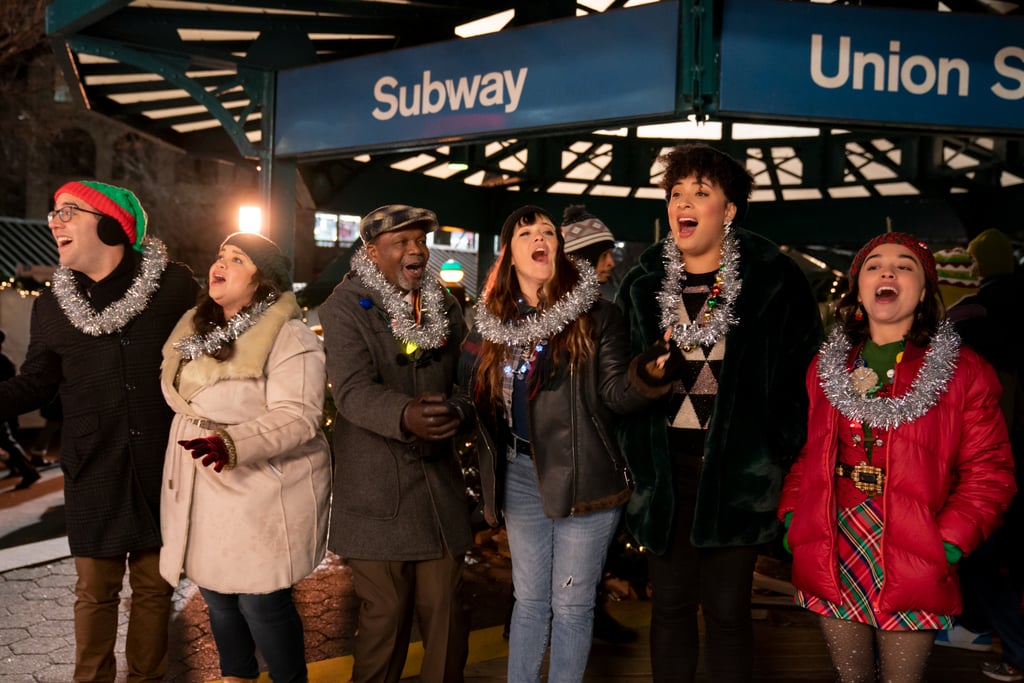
<point>573,423</point>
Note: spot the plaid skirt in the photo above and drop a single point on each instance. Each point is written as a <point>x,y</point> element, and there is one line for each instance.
<point>860,577</point>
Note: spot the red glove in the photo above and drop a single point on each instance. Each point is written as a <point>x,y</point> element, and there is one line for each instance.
<point>211,449</point>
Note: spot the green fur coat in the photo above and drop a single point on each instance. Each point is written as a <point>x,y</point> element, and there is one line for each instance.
<point>758,423</point>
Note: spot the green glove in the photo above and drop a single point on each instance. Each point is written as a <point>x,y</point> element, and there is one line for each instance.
<point>787,520</point>
<point>953,554</point>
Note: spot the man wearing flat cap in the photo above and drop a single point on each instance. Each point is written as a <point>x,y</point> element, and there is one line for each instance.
<point>95,340</point>
<point>400,518</point>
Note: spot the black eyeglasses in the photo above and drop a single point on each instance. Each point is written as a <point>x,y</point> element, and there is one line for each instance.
<point>66,212</point>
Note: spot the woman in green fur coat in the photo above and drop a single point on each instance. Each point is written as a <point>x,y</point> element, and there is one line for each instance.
<point>710,457</point>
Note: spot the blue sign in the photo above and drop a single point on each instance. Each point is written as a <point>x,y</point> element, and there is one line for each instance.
<point>608,68</point>
<point>831,62</point>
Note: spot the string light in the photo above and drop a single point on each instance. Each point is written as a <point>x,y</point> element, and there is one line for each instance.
<point>19,286</point>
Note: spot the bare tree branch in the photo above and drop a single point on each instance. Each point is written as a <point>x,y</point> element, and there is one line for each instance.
<point>22,31</point>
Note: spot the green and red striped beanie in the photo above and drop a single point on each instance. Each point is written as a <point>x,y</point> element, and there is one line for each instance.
<point>120,204</point>
<point>916,246</point>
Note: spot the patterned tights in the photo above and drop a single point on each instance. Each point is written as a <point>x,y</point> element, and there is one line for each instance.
<point>863,654</point>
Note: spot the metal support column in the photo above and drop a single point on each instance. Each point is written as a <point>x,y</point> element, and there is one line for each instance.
<point>277,177</point>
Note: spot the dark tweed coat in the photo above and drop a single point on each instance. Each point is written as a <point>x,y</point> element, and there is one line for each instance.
<point>758,423</point>
<point>396,497</point>
<point>115,418</point>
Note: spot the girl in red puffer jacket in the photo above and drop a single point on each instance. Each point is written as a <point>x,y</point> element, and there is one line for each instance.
<point>906,468</point>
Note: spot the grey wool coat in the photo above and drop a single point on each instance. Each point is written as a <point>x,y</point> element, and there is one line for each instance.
<point>115,418</point>
<point>396,497</point>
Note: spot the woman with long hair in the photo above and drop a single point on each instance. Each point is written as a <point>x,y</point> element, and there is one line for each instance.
<point>906,468</point>
<point>247,474</point>
<point>549,372</point>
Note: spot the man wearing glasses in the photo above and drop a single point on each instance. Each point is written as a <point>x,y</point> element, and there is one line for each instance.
<point>96,339</point>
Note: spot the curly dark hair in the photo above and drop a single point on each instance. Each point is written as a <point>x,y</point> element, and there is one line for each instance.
<point>704,161</point>
<point>929,313</point>
<point>209,313</point>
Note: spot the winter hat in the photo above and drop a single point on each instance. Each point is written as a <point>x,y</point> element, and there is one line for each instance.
<point>510,223</point>
<point>117,202</point>
<point>993,252</point>
<point>395,217</point>
<point>585,235</point>
<point>266,255</point>
<point>957,274</point>
<point>918,247</point>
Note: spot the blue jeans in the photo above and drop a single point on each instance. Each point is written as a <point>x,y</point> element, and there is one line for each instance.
<point>243,622</point>
<point>556,566</point>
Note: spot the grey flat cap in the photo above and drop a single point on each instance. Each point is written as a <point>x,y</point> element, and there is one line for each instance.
<point>395,217</point>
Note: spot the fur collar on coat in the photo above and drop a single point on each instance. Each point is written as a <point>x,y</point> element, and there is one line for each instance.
<point>251,351</point>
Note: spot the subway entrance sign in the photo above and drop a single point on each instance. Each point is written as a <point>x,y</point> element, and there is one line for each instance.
<point>853,64</point>
<point>601,70</point>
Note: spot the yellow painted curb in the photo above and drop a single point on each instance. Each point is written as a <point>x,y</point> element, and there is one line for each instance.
<point>484,644</point>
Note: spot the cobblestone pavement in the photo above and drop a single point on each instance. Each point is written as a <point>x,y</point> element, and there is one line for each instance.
<point>37,641</point>
<point>37,579</point>
<point>37,628</point>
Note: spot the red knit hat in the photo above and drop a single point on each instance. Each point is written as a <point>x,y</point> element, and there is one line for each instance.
<point>918,247</point>
<point>120,204</point>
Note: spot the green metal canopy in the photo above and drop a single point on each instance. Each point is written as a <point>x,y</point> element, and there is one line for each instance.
<point>201,76</point>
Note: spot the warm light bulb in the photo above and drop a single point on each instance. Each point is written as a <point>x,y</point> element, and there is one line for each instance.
<point>250,218</point>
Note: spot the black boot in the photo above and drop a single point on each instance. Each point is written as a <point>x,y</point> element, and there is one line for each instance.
<point>30,477</point>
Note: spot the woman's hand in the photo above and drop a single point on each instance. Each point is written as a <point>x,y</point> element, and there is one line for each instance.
<point>662,363</point>
<point>953,553</point>
<point>211,449</point>
<point>785,536</point>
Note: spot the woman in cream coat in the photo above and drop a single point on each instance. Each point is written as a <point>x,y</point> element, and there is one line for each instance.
<point>245,498</point>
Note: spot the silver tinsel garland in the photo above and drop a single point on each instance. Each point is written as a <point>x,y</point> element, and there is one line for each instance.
<point>888,412</point>
<point>670,298</point>
<point>196,345</point>
<point>433,332</point>
<point>539,327</point>
<point>114,317</point>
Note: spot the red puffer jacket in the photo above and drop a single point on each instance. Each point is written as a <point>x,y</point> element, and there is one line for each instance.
<point>949,478</point>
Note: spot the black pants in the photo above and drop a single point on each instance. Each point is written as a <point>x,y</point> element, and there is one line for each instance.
<point>17,461</point>
<point>685,578</point>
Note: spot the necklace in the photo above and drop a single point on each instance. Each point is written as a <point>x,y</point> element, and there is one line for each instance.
<point>406,321</point>
<point>209,343</point>
<point>718,315</point>
<point>114,317</point>
<point>888,412</point>
<point>534,328</point>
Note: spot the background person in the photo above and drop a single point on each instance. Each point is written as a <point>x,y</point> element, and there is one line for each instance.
<point>992,578</point>
<point>95,339</point>
<point>53,414</point>
<point>710,458</point>
<point>248,470</point>
<point>907,467</point>
<point>17,461</point>
<point>400,516</point>
<point>588,238</point>
<point>549,365</point>
<point>957,276</point>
